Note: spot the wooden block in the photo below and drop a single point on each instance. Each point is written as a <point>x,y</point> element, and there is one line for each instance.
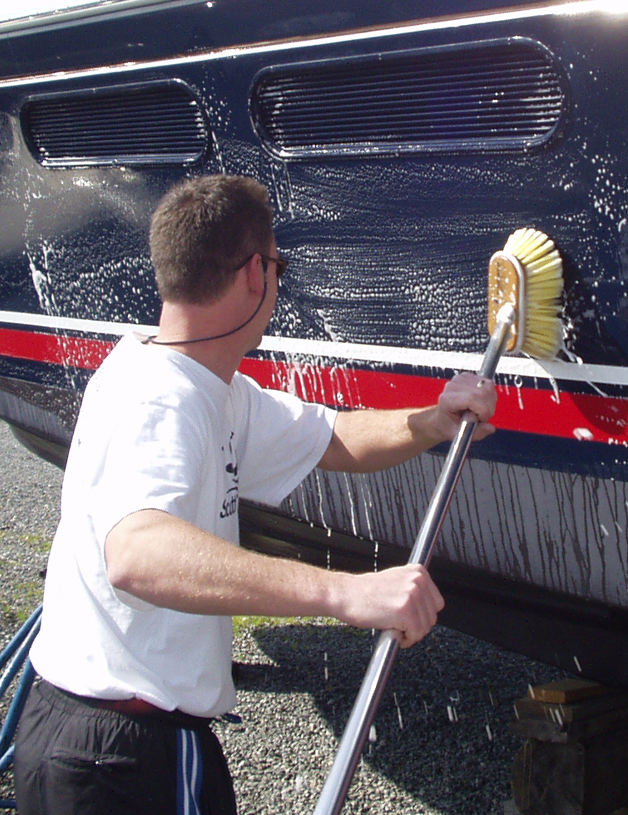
<point>592,706</point>
<point>564,691</point>
<point>575,778</point>
<point>563,729</point>
<point>588,716</point>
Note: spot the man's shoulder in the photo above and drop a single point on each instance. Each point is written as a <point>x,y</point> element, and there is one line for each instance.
<point>245,390</point>
<point>131,376</point>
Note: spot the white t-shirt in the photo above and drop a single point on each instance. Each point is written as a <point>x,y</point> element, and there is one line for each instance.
<point>157,430</point>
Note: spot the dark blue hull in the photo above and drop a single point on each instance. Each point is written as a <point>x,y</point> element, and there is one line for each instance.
<point>401,145</point>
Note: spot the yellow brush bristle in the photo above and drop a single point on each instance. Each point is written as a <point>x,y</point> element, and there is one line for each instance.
<point>543,268</point>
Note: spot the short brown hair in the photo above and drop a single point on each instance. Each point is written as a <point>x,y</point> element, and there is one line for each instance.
<point>202,232</point>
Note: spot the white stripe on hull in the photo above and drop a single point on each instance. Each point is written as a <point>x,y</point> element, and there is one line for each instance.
<point>377,354</point>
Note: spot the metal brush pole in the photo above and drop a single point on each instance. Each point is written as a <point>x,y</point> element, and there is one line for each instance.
<point>352,742</point>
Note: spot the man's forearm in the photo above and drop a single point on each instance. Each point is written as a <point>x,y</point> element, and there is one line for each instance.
<point>173,564</point>
<point>371,440</point>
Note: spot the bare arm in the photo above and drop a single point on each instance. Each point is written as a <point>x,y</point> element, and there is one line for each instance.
<point>171,563</point>
<point>370,440</point>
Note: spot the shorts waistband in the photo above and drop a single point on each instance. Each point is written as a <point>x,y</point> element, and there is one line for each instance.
<point>130,707</point>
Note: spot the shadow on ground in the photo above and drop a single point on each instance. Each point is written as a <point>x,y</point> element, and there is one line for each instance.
<point>442,729</point>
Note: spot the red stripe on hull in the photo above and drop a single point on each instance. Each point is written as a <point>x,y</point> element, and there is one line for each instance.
<point>541,412</point>
<point>73,352</point>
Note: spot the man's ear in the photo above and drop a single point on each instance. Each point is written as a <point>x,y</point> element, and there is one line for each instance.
<point>255,274</point>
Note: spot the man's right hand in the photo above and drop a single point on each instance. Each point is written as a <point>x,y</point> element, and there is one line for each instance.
<point>404,598</point>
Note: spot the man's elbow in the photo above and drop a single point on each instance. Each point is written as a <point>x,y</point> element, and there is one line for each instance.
<point>126,554</point>
<point>117,557</point>
<point>338,457</point>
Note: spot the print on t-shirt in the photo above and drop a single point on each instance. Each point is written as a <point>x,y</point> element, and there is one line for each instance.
<point>230,504</point>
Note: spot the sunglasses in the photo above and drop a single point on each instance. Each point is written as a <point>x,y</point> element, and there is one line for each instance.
<point>281,264</point>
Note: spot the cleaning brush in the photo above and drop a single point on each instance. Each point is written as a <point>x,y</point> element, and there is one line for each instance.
<point>525,285</point>
<point>528,273</point>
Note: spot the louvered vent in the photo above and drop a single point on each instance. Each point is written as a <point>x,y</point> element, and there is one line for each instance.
<point>498,95</point>
<point>160,123</point>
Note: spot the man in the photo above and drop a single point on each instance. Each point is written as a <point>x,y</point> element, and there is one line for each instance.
<point>144,574</point>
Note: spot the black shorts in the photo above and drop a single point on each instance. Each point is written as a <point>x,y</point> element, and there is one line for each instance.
<point>73,758</point>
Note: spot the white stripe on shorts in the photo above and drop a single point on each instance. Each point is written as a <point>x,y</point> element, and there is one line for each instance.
<point>189,773</point>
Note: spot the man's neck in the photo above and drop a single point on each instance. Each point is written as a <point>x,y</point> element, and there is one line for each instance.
<point>187,322</point>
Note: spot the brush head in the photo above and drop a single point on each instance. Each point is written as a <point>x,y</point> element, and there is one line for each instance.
<point>528,274</point>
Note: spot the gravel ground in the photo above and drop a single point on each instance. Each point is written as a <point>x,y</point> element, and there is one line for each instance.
<point>440,746</point>
<point>29,510</point>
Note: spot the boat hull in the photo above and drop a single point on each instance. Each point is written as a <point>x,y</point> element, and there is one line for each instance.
<point>400,148</point>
